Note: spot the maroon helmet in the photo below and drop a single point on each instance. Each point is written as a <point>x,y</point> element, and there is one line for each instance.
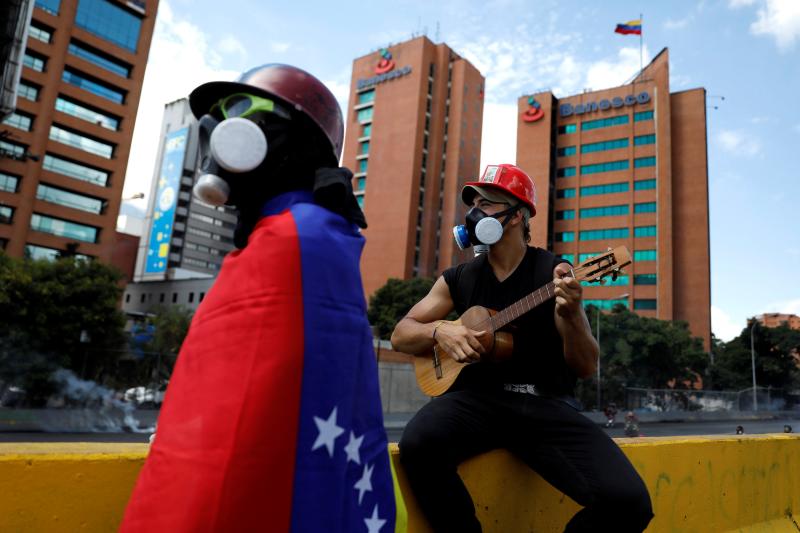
<point>290,85</point>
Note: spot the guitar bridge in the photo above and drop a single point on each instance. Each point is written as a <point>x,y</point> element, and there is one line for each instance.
<point>437,362</point>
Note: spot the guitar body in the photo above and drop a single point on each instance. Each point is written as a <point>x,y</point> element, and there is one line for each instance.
<point>437,370</point>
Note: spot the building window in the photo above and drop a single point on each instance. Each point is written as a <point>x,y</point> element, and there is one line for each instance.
<point>27,91</point>
<point>191,297</point>
<point>360,200</point>
<point>174,297</point>
<point>40,252</point>
<point>13,150</point>
<point>361,183</point>
<point>605,167</point>
<point>81,142</point>
<point>84,113</point>
<point>568,257</point>
<point>640,162</point>
<point>565,151</point>
<point>604,122</point>
<point>39,33</point>
<point>644,255</point>
<point>367,131</point>
<point>608,188</point>
<point>109,21</point>
<point>75,170</point>
<point>566,214</point>
<point>364,147</point>
<point>365,115</point>
<point>16,120</point>
<point>161,298</point>
<point>606,305</point>
<point>51,6</point>
<point>95,87</point>
<point>98,58</point>
<point>605,211</point>
<point>620,281</point>
<point>6,214</point>
<point>604,145</point>
<point>8,182</point>
<point>34,62</point>
<point>565,193</point>
<point>69,199</point>
<point>127,298</point>
<point>366,97</point>
<point>643,115</point>
<point>644,279</point>
<point>63,228</point>
<point>604,234</point>
<point>565,172</point>
<point>362,165</point>
<point>644,231</point>
<point>639,140</point>
<point>565,236</point>
<point>646,207</point>
<point>643,185</point>
<point>644,304</point>
<point>567,128</point>
<point>202,295</point>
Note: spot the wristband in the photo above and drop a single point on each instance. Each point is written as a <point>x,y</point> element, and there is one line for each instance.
<point>438,323</point>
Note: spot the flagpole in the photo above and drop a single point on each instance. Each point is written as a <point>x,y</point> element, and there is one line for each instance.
<point>641,33</point>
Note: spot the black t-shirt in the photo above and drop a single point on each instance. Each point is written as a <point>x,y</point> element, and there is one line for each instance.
<point>538,355</point>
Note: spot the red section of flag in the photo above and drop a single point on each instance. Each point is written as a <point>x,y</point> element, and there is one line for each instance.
<point>628,30</point>
<point>224,454</point>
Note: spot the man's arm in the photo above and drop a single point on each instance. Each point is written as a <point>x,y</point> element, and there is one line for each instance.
<point>415,332</point>
<point>580,347</point>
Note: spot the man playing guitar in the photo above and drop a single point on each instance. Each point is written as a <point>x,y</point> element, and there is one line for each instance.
<point>526,403</point>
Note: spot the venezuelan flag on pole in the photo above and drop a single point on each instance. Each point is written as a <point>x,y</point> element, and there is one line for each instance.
<point>632,27</point>
<point>272,420</point>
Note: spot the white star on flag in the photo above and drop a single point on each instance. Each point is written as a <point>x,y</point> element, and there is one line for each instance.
<point>374,523</point>
<point>328,431</point>
<point>365,483</point>
<point>352,448</point>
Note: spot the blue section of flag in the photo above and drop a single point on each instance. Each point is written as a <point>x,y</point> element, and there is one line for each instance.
<point>343,480</point>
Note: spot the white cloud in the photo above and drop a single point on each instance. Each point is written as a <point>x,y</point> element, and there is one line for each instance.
<point>611,73</point>
<point>736,4</point>
<point>279,48</point>
<point>232,46</point>
<point>738,143</point>
<point>679,24</point>
<point>723,326</point>
<point>499,134</point>
<point>781,19</point>
<point>180,59</point>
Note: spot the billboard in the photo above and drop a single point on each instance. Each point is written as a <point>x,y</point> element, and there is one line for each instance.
<point>166,200</point>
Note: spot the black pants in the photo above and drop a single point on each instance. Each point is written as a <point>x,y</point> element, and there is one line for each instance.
<point>564,447</point>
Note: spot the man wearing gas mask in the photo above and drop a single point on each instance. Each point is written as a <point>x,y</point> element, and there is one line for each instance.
<point>272,420</point>
<point>525,404</point>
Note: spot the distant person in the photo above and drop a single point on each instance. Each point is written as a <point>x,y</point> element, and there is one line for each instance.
<point>525,404</point>
<point>611,414</point>
<point>631,425</point>
<point>272,419</point>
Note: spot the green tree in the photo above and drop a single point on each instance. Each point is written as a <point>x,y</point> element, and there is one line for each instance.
<point>391,302</point>
<point>65,310</point>
<point>644,352</point>
<point>776,360</point>
<point>170,327</point>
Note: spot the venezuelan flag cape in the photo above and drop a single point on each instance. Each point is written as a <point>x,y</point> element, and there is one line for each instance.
<point>272,420</point>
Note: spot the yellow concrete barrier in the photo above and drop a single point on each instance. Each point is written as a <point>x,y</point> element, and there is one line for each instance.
<point>702,484</point>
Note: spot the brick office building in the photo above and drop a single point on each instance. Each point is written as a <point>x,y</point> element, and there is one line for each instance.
<point>413,138</point>
<point>626,166</point>
<point>64,151</point>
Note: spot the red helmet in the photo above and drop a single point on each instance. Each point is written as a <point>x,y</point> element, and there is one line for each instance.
<point>294,87</point>
<point>507,178</point>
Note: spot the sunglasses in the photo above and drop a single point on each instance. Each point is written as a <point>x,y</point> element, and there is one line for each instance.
<point>244,105</point>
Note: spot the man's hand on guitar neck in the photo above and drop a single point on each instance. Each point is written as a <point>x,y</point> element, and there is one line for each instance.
<point>460,342</point>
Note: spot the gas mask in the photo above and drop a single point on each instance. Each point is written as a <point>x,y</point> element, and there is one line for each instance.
<point>236,148</point>
<point>482,229</point>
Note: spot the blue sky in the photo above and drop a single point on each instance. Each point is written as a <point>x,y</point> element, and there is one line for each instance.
<point>745,50</point>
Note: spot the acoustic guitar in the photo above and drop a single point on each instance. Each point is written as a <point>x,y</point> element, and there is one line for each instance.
<point>437,370</point>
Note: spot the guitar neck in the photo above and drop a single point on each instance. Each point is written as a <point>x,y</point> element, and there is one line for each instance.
<point>522,306</point>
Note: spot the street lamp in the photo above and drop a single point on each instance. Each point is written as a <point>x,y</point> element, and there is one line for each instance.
<point>753,363</point>
<point>621,296</point>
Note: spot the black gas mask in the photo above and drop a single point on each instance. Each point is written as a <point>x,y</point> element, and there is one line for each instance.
<point>482,228</point>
